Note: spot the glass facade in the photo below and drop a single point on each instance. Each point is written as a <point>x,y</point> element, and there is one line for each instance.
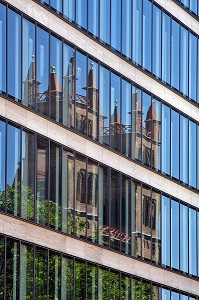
<point>57,187</point>
<point>47,274</point>
<point>45,183</point>
<point>71,88</point>
<point>143,33</point>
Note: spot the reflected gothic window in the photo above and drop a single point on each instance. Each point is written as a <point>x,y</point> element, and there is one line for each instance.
<point>81,191</point>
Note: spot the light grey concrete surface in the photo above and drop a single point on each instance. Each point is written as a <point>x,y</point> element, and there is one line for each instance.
<point>76,37</point>
<point>180,14</point>
<point>59,242</point>
<point>37,123</point>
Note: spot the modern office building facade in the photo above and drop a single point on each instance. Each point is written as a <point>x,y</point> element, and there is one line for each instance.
<point>99,139</point>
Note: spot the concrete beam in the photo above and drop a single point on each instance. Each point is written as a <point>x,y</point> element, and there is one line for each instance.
<point>37,123</point>
<point>73,35</point>
<point>59,242</point>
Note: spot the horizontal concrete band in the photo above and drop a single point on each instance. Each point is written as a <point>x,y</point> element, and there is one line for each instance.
<point>79,39</point>
<point>59,242</point>
<point>37,123</point>
<point>179,13</point>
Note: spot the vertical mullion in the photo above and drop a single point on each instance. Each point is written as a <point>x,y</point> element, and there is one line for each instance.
<point>121,121</point>
<point>109,137</point>
<point>36,60</point>
<point>35,177</point>
<point>86,187</point>
<point>20,176</point>
<point>109,203</point>
<point>74,195</point>
<point>120,208</point>
<point>5,256</point>
<point>47,279</point>
<point>6,162</point>
<point>6,91</point>
<point>34,272</point>
<point>141,217</point>
<point>74,68</point>
<point>48,179</point>
<point>151,221</point>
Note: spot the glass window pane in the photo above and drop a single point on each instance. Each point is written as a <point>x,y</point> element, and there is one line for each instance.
<point>114,286</point>
<point>14,54</point>
<point>156,227</point>
<point>92,99</point>
<point>127,27</point>
<point>29,85</point>
<point>2,164</point>
<point>192,154</point>
<point>56,5</point>
<point>165,294</point>
<point>115,211</point>
<point>146,223</point>
<point>55,89</point>
<point>175,144</point>
<point>146,291</point>
<point>68,85</point>
<point>92,282</point>
<point>104,106</point>
<point>166,157</point>
<point>93,17</point>
<point>193,8</point>
<point>165,231</point>
<point>136,208</point>
<point>126,216</point>
<point>81,13</point>
<point>192,242</point>
<point>198,239</point>
<point>28,175</point>
<point>67,284</point>
<point>184,169</point>
<point>26,272</point>
<point>81,99</point>
<point>126,118</point>
<point>13,170</point>
<point>175,235</point>
<point>147,31</point>
<point>42,83</point>
<point>136,289</point>
<point>198,68</point>
<point>54,276</point>
<point>184,238</point>
<point>166,59</point>
<point>175,296</point>
<point>41,273</point>
<point>80,280</point>
<point>80,202</point>
<point>175,54</point>
<point>137,31</point>
<point>156,134</point>
<point>184,61</point>
<point>116,24</point>
<point>92,201</point>
<point>115,126</point>
<point>104,185</point>
<point>42,181</point>
<point>147,112</point>
<point>2,48</point>
<point>125,288</point>
<point>55,197</point>
<point>67,192</point>
<point>105,21</point>
<point>69,10</point>
<point>136,124</point>
<point>2,264</point>
<point>192,66</point>
<point>12,269</point>
<point>156,53</point>
<point>103,284</point>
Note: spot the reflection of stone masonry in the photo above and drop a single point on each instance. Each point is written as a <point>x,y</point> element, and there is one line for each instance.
<point>146,141</point>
